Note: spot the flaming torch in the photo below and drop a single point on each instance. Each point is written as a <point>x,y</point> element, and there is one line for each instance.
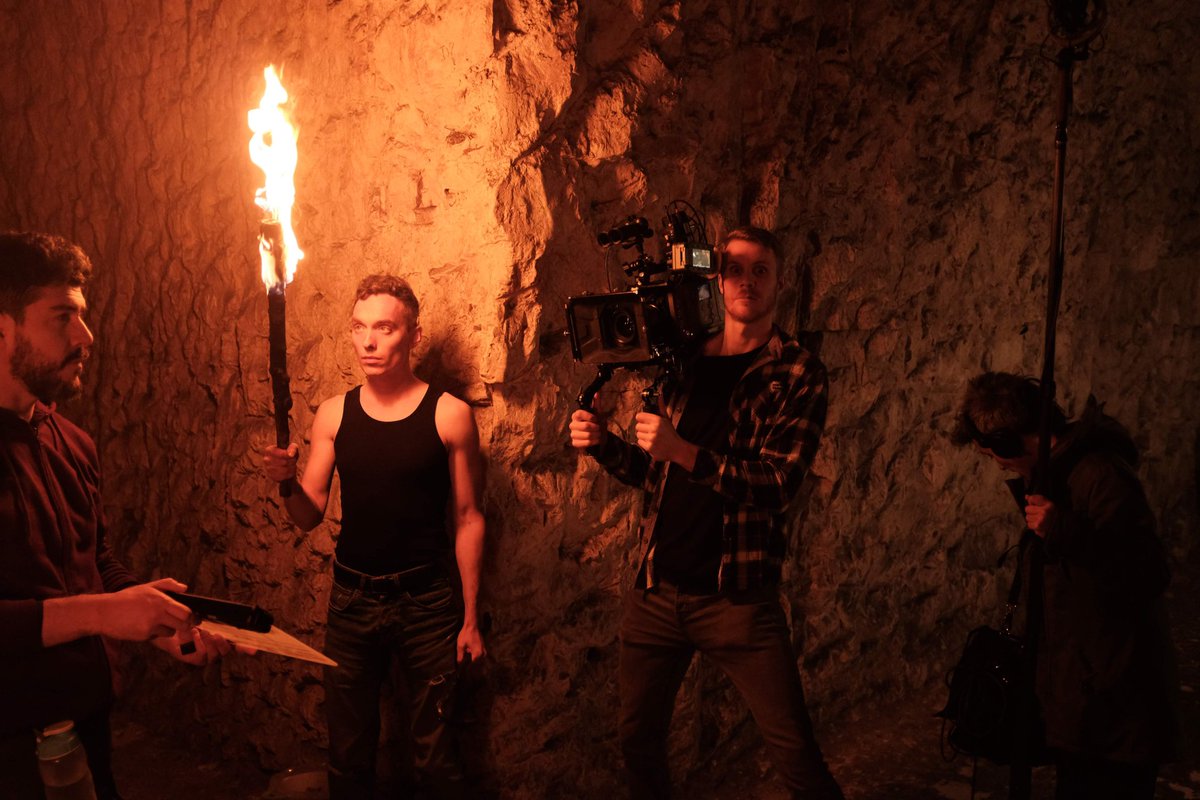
<point>273,150</point>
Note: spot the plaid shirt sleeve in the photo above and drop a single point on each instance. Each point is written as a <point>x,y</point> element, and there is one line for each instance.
<point>774,440</point>
<point>626,462</point>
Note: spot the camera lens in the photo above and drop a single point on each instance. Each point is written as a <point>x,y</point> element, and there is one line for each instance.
<point>618,326</point>
<point>624,327</point>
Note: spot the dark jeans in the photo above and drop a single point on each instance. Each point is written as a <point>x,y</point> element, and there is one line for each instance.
<point>366,631</point>
<point>1079,777</point>
<point>19,777</point>
<point>747,637</point>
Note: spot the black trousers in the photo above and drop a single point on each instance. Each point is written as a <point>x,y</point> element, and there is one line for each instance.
<point>366,632</point>
<point>748,638</point>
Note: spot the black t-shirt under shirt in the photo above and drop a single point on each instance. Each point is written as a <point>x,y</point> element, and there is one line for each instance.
<point>688,530</point>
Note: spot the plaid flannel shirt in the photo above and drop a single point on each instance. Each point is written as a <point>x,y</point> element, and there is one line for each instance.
<point>778,409</point>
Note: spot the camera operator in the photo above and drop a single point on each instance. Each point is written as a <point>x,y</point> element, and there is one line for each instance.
<point>720,468</point>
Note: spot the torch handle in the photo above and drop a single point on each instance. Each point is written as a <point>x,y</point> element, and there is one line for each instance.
<point>280,381</point>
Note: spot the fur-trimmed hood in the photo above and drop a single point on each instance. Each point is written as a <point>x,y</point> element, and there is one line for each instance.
<point>1095,430</point>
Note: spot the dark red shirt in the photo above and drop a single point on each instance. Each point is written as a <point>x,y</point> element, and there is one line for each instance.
<point>52,544</point>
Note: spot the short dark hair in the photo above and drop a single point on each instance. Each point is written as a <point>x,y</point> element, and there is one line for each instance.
<point>394,285</point>
<point>33,261</point>
<point>759,236</point>
<point>1001,402</point>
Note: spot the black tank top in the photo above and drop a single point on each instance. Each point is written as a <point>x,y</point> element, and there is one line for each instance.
<point>395,480</point>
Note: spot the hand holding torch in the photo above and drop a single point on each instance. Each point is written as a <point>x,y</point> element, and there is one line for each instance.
<point>273,150</point>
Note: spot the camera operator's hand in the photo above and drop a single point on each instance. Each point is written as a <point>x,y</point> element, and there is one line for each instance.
<point>586,430</point>
<point>280,464</point>
<point>658,437</point>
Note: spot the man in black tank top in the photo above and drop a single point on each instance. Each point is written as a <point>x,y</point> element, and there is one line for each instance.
<point>404,452</point>
<point>719,471</point>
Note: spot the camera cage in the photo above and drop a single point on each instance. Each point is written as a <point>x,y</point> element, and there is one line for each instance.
<point>667,308</point>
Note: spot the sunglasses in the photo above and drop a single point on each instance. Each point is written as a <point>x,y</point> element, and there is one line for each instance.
<point>1003,443</point>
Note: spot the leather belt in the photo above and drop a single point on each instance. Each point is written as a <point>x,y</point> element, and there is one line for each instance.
<point>404,581</point>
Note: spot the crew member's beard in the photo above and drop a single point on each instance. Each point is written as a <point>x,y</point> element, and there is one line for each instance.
<point>768,310</point>
<point>44,379</point>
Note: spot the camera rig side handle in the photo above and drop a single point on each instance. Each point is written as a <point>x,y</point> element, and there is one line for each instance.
<point>650,394</point>
<point>604,373</point>
<point>587,397</point>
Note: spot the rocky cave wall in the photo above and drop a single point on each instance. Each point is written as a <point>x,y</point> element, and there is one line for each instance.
<point>903,151</point>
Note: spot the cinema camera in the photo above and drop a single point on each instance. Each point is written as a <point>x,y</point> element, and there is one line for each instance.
<point>671,305</point>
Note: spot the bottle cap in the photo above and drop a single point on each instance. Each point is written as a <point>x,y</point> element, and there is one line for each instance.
<point>57,728</point>
<point>57,740</point>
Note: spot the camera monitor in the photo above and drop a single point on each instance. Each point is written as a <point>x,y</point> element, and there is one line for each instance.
<point>700,259</point>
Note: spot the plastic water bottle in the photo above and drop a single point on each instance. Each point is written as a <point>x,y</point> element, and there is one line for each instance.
<point>63,764</point>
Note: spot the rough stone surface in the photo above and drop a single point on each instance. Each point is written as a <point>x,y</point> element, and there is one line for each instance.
<point>904,151</point>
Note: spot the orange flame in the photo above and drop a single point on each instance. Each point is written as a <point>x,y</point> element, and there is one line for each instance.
<point>273,150</point>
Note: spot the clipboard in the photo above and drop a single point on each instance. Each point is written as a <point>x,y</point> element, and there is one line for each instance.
<point>273,641</point>
<point>249,626</point>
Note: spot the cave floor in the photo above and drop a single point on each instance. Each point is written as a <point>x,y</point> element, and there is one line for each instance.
<point>889,754</point>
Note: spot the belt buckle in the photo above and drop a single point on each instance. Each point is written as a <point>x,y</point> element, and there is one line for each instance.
<point>383,584</point>
<point>355,580</point>
<point>370,584</point>
<point>411,578</point>
<point>405,580</point>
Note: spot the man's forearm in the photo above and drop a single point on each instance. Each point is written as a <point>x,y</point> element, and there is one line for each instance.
<point>301,508</point>
<point>626,462</point>
<point>65,619</point>
<point>468,552</point>
<point>685,455</point>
